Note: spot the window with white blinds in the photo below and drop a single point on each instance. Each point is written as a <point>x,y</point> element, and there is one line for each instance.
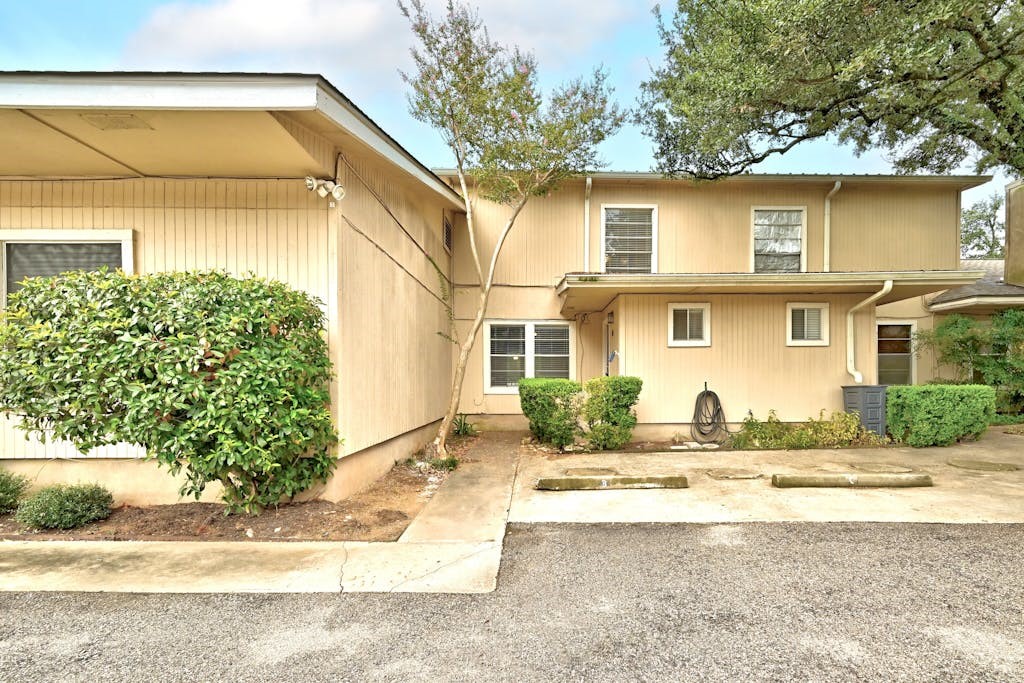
<point>807,325</point>
<point>630,239</point>
<point>689,324</point>
<point>525,349</point>
<point>778,240</point>
<point>45,253</point>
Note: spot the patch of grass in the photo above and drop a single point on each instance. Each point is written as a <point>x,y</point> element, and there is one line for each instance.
<point>12,487</point>
<point>65,507</point>
<point>1005,419</point>
<point>444,464</point>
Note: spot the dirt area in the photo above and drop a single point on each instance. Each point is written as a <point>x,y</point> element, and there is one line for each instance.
<point>380,513</point>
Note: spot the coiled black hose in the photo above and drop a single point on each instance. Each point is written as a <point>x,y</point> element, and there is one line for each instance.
<point>708,424</point>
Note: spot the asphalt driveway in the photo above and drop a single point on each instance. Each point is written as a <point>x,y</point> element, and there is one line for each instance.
<point>585,602</point>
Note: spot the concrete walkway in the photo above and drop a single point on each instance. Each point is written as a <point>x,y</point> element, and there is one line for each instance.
<point>959,495</point>
<point>453,546</point>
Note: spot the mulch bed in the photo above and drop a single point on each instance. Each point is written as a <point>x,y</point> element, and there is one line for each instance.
<point>380,513</point>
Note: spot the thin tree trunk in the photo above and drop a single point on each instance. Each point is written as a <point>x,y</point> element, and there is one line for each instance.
<point>439,446</point>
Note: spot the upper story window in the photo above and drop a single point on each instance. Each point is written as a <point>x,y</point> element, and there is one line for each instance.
<point>518,349</point>
<point>689,324</point>
<point>44,253</point>
<point>807,324</point>
<point>779,236</point>
<point>630,238</point>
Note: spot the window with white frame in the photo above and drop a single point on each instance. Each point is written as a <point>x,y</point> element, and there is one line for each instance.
<point>630,239</point>
<point>689,324</point>
<point>525,349</point>
<point>779,240</point>
<point>44,253</point>
<point>806,324</point>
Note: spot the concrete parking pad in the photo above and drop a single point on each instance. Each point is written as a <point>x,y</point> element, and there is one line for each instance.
<point>958,495</point>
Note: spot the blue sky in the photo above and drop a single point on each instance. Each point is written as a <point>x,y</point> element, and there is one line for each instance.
<point>359,45</point>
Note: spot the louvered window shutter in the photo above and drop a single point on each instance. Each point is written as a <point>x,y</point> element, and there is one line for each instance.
<point>44,259</point>
<point>628,240</point>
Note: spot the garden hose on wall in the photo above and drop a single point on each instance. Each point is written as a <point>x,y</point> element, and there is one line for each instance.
<point>708,424</point>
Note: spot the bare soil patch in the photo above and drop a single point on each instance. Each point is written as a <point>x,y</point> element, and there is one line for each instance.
<point>380,513</point>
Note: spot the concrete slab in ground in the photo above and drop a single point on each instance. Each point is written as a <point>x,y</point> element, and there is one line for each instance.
<point>472,504</point>
<point>232,567</point>
<point>958,495</point>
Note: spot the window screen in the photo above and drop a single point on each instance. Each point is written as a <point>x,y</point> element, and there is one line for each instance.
<point>806,324</point>
<point>777,240</point>
<point>628,240</point>
<point>895,354</point>
<point>508,355</point>
<point>448,237</point>
<point>44,259</point>
<point>688,324</point>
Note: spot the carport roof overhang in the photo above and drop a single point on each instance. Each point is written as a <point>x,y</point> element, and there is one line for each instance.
<point>60,125</point>
<point>589,292</point>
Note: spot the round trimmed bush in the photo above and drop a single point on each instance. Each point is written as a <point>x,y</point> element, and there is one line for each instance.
<point>12,486</point>
<point>65,506</point>
<point>224,379</point>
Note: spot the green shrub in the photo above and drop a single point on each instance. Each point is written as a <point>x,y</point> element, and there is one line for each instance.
<point>65,507</point>
<point>1004,419</point>
<point>839,430</point>
<point>552,407</point>
<point>608,410</point>
<point>939,415</point>
<point>225,379</point>
<point>12,486</point>
<point>462,426</point>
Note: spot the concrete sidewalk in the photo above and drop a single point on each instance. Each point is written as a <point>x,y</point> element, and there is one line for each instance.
<point>959,495</point>
<point>453,546</point>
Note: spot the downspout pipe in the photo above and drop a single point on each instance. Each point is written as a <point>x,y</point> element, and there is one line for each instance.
<point>851,337</point>
<point>827,261</point>
<point>586,226</point>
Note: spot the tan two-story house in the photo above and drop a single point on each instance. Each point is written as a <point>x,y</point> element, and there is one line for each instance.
<point>762,286</point>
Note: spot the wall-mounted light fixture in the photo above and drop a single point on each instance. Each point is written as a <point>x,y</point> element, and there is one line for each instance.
<point>325,188</point>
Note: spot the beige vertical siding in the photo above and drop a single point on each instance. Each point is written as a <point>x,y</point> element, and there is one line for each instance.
<point>748,363</point>
<point>901,227</point>
<point>394,366</point>
<point>1015,233</point>
<point>271,228</point>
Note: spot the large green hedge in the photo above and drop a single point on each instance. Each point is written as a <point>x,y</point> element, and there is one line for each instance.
<point>225,379</point>
<point>608,410</point>
<point>938,414</point>
<point>554,408</point>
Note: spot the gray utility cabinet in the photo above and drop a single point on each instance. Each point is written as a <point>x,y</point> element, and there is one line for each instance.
<point>869,401</point>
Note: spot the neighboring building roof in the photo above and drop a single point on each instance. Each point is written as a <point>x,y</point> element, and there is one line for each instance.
<point>990,287</point>
<point>42,91</point>
<point>964,182</point>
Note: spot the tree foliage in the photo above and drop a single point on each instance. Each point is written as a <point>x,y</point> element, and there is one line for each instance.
<point>934,82</point>
<point>982,232</point>
<point>987,351</point>
<point>509,139</point>
<point>222,378</point>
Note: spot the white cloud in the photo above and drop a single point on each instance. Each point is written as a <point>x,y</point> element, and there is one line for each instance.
<point>359,43</point>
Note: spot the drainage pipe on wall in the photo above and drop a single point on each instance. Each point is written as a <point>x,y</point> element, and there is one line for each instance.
<point>828,226</point>
<point>586,226</point>
<point>851,338</point>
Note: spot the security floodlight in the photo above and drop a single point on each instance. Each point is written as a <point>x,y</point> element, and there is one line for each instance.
<point>311,183</point>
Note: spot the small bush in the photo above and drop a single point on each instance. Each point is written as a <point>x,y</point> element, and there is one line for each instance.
<point>939,415</point>
<point>1004,419</point>
<point>552,406</point>
<point>839,430</point>
<point>65,507</point>
<point>608,410</point>
<point>462,426</point>
<point>12,486</point>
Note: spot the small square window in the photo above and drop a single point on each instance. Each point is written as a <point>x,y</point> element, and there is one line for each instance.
<point>689,324</point>
<point>806,324</point>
